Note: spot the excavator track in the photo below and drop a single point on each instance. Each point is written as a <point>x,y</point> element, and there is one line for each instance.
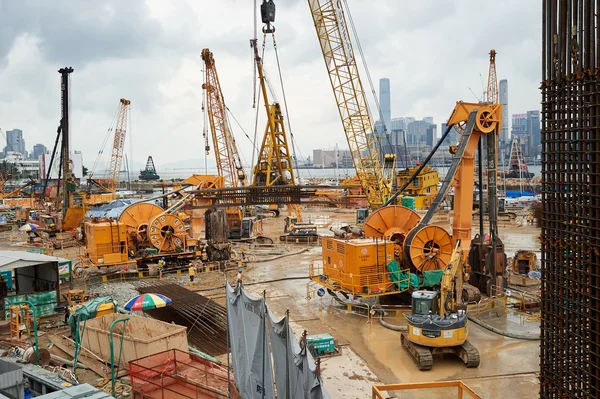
<point>421,355</point>
<point>289,239</point>
<point>469,354</point>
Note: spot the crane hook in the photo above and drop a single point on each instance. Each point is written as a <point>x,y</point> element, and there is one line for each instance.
<point>267,14</point>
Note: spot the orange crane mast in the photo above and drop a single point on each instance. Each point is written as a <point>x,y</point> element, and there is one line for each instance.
<point>228,159</point>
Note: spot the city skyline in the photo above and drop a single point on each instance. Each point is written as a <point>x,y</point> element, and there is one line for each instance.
<point>120,53</point>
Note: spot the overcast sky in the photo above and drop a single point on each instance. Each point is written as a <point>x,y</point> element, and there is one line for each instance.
<point>148,51</point>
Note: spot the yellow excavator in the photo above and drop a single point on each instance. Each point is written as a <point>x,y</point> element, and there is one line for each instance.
<point>435,326</point>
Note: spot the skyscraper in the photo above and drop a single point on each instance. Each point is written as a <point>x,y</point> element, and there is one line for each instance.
<point>385,102</point>
<point>503,89</point>
<point>15,142</point>
<point>431,135</point>
<point>38,150</point>
<point>533,128</point>
<point>519,125</point>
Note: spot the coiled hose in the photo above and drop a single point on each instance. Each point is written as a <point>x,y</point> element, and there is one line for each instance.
<point>473,319</point>
<point>388,325</point>
<point>502,332</point>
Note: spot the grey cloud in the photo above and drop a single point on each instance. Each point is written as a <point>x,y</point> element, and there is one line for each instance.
<point>79,32</point>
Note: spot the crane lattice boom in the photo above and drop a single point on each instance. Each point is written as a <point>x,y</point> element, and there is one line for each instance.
<point>229,164</point>
<point>334,38</point>
<point>492,88</point>
<point>116,156</point>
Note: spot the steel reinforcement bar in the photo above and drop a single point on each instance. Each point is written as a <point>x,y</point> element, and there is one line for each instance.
<point>570,321</point>
<point>205,319</point>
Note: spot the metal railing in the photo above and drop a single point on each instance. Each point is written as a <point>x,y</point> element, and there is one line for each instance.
<point>461,388</point>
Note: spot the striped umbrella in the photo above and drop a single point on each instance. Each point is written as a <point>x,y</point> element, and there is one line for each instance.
<point>147,302</point>
<point>28,227</point>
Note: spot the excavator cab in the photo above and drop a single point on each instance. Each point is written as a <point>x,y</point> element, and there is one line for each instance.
<point>361,215</point>
<point>425,303</point>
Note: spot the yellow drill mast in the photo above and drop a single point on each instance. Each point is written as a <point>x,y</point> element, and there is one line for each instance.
<point>341,63</point>
<point>274,165</point>
<point>229,163</point>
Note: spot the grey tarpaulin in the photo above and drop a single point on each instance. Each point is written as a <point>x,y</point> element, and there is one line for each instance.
<point>295,368</point>
<point>249,344</point>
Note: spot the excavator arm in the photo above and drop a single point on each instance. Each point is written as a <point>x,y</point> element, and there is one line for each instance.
<point>447,284</point>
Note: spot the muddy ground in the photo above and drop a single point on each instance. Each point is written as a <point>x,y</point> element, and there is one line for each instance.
<point>371,354</point>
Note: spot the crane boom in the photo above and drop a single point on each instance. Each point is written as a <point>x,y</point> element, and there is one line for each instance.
<point>341,63</point>
<point>229,164</point>
<point>492,87</point>
<point>116,157</point>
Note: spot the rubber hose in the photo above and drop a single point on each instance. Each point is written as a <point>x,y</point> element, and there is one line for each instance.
<point>502,332</point>
<point>391,326</point>
<point>388,325</point>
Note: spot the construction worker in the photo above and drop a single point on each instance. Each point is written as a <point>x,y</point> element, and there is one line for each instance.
<point>204,256</point>
<point>239,278</point>
<point>31,237</point>
<point>243,254</point>
<point>161,266</point>
<point>192,272</point>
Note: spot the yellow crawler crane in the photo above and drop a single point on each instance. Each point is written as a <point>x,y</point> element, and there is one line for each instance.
<point>274,164</point>
<point>334,37</point>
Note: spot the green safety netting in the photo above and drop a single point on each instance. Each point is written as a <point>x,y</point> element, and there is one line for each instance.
<point>401,278</point>
<point>85,312</point>
<point>432,277</point>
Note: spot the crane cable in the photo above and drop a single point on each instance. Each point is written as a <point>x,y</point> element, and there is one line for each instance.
<point>106,138</point>
<point>364,61</point>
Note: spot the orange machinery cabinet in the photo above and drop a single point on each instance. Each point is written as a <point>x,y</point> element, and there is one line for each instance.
<point>106,242</point>
<point>358,265</point>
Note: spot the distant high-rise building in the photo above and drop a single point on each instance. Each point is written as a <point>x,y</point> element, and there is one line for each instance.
<point>38,150</point>
<point>428,119</point>
<point>503,89</point>
<point>398,124</point>
<point>15,142</point>
<point>533,129</point>
<point>431,135</point>
<point>385,102</point>
<point>453,136</point>
<point>519,125</point>
<point>417,132</point>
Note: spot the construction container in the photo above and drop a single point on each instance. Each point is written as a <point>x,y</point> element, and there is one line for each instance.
<point>143,337</point>
<point>322,343</point>
<point>106,242</point>
<point>44,302</point>
<point>11,379</point>
<point>176,374</point>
